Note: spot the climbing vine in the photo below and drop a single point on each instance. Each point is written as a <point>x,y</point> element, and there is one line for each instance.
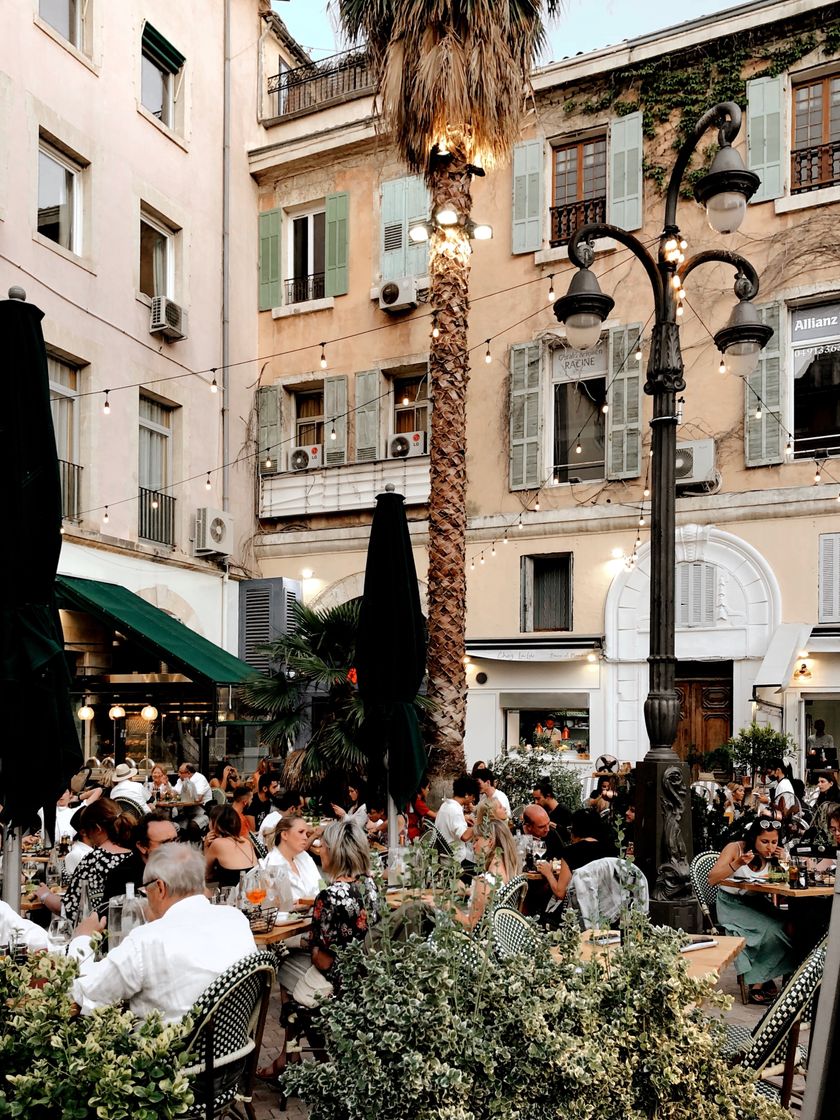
<point>677,89</point>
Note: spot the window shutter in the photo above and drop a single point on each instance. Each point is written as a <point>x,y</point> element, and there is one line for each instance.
<point>696,594</point>
<point>525,418</point>
<point>335,412</point>
<point>764,135</point>
<point>527,197</point>
<point>417,208</point>
<point>266,613</point>
<point>270,274</point>
<point>366,386</point>
<point>392,263</point>
<point>336,280</point>
<point>763,438</point>
<point>829,577</point>
<point>626,152</point>
<point>624,398</point>
<point>269,432</point>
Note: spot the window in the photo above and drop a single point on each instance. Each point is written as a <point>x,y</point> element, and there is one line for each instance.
<point>546,592</point>
<point>309,418</point>
<point>64,389</point>
<point>59,198</point>
<point>306,257</point>
<point>161,77</point>
<point>157,264</point>
<point>411,404</point>
<point>65,17</point>
<point>815,155</point>
<point>696,596</point>
<point>829,577</point>
<point>403,202</point>
<point>579,413</point>
<point>815,336</point>
<point>580,187</point>
<point>156,508</point>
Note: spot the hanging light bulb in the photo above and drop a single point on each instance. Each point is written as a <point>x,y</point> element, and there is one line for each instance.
<point>333,434</point>
<point>758,411</point>
<point>519,522</point>
<point>722,366</point>
<point>149,713</point>
<point>472,565</point>
<point>85,712</point>
<point>267,462</point>
<point>117,711</point>
<point>641,520</point>
<point>504,538</point>
<point>679,309</point>
<point>105,517</point>
<point>488,357</point>
<point>817,475</point>
<point>681,294</point>
<point>605,408</point>
<point>639,349</point>
<point>789,448</point>
<point>552,295</point>
<point>638,542</point>
<point>646,492</point>
<point>155,503</point>
<point>537,504</point>
<point>106,408</point>
<point>578,448</point>
<point>214,384</point>
<point>493,549</point>
<point>481,558</point>
<point>435,327</point>
<point>676,282</point>
<point>323,356</point>
<point>208,485</point>
<point>405,401</point>
<point>683,243</point>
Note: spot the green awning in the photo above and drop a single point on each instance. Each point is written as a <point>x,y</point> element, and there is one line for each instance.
<point>154,629</point>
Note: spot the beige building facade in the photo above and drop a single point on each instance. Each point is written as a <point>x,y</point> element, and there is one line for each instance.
<point>558,441</point>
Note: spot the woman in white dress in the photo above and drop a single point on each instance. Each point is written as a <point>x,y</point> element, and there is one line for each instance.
<point>290,854</point>
<point>497,862</point>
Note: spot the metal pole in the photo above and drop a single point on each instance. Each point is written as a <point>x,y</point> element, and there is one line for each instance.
<point>12,843</point>
<point>820,1101</point>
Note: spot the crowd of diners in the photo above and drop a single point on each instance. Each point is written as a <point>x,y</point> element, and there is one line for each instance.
<point>176,838</point>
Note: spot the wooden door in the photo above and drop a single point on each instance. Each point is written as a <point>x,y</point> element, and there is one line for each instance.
<point>705,715</point>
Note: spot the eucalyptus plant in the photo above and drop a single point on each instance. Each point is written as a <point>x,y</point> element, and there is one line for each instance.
<point>518,772</point>
<point>754,747</point>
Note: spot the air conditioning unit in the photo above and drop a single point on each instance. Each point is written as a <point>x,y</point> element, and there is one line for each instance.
<point>305,458</point>
<point>406,444</point>
<point>695,462</point>
<point>398,295</point>
<point>213,532</point>
<point>168,318</point>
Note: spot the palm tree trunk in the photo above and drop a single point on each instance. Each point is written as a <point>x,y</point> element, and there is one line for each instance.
<point>449,370</point>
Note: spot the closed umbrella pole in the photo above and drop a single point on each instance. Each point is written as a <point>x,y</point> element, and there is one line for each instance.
<point>820,1101</point>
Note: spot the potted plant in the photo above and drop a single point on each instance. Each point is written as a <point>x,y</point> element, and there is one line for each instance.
<point>442,1029</point>
<point>754,747</point>
<point>518,772</point>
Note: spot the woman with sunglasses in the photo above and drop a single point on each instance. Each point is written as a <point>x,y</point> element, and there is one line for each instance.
<point>768,952</point>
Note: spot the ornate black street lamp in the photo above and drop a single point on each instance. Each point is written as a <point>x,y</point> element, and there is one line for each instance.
<point>663,818</point>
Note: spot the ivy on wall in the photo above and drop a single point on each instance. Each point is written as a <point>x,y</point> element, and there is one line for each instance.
<point>677,89</point>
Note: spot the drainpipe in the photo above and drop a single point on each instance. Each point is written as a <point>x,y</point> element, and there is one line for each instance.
<point>226,268</point>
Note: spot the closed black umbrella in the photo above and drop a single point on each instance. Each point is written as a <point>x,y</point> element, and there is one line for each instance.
<point>40,747</point>
<point>391,650</point>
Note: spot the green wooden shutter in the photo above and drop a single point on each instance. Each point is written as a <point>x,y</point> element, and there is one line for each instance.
<point>335,413</point>
<point>269,428</point>
<point>528,168</point>
<point>418,205</point>
<point>336,281</point>
<point>525,416</point>
<point>392,225</point>
<point>764,135</point>
<point>829,577</point>
<point>366,385</point>
<point>764,440</point>
<point>270,273</point>
<point>626,151</point>
<point>624,400</point>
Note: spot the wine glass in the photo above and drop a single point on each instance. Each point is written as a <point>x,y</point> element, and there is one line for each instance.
<point>59,934</point>
<point>254,886</point>
<point>538,849</point>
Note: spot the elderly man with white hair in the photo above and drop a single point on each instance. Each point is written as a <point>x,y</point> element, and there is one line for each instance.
<point>166,964</point>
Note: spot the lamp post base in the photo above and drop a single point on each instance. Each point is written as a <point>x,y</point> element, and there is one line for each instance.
<point>681,914</point>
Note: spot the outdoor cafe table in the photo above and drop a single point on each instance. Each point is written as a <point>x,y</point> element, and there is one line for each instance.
<point>284,931</point>
<point>780,890</point>
<point>700,961</point>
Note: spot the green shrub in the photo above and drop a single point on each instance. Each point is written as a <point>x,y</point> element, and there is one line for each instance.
<point>520,769</point>
<point>756,746</point>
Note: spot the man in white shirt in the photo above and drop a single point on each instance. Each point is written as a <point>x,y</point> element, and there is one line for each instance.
<point>188,773</point>
<point>487,788</point>
<point>166,964</point>
<point>451,822</point>
<point>127,788</point>
<point>23,930</point>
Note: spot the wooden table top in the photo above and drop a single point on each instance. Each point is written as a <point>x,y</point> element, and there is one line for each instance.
<point>284,931</point>
<point>783,890</point>
<point>700,961</point>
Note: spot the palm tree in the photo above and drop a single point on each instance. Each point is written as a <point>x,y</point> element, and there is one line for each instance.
<point>452,76</point>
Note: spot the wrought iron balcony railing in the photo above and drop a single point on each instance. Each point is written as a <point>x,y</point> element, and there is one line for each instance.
<point>307,88</point>
<point>156,517</point>
<point>304,288</point>
<point>70,475</point>
<point>566,219</point>
<point>812,168</point>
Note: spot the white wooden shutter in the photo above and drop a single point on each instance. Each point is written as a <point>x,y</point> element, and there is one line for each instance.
<point>417,208</point>
<point>626,152</point>
<point>764,439</point>
<point>366,386</point>
<point>624,400</point>
<point>335,416</point>
<point>525,416</point>
<point>393,232</point>
<point>269,432</point>
<point>765,103</point>
<point>829,577</point>
<point>696,598</point>
<point>528,169</point>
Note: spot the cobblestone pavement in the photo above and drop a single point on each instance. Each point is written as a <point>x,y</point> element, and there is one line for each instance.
<point>266,1099</point>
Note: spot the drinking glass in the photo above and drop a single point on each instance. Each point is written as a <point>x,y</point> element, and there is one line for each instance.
<point>254,886</point>
<point>538,849</point>
<point>59,934</point>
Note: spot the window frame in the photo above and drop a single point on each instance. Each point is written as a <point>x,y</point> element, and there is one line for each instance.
<point>169,235</point>
<point>49,150</point>
<point>419,404</point>
<point>527,621</point>
<point>796,189</point>
<point>166,431</point>
<point>307,214</point>
<point>551,440</point>
<point>599,203</point>
<point>64,392</point>
<point>298,393</point>
<point>77,35</point>
<point>170,64</point>
<point>831,344</point>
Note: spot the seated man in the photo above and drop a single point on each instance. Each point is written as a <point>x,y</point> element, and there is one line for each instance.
<point>23,931</point>
<point>559,816</point>
<point>147,836</point>
<point>451,821</point>
<point>166,964</point>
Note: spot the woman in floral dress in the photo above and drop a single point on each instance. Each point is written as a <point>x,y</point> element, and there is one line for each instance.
<point>107,830</point>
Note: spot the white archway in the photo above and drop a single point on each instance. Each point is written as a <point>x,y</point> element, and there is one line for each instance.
<point>352,587</point>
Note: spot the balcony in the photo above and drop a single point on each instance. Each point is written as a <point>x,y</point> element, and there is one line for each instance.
<point>156,517</point>
<point>812,168</point>
<point>304,288</point>
<point>343,489</point>
<point>306,89</point>
<point>70,475</point>
<point>566,219</point>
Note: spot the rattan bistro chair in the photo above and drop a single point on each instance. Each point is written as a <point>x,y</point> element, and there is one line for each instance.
<point>228,1020</point>
<point>512,933</point>
<point>512,893</point>
<point>706,896</point>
